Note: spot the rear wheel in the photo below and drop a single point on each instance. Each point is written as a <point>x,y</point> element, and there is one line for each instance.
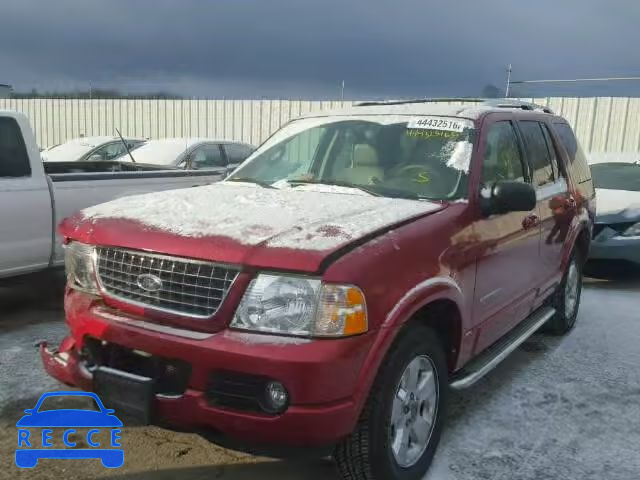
<point>400,426</point>
<point>566,299</point>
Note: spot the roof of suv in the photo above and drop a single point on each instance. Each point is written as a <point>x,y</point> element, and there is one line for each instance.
<point>463,107</point>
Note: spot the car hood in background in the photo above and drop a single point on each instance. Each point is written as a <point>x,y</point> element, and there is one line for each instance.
<point>289,228</point>
<point>617,206</point>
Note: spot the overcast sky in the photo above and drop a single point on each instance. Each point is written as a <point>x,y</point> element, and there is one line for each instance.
<point>299,48</point>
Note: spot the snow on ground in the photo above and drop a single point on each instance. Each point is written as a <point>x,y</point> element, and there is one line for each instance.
<point>558,408</point>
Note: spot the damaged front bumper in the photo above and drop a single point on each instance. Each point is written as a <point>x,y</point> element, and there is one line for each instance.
<point>320,376</point>
<point>62,364</point>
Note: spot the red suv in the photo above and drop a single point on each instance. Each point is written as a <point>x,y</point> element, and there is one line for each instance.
<point>333,289</point>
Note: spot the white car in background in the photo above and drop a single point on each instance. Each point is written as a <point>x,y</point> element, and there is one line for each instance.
<point>191,153</point>
<point>36,196</point>
<point>93,149</point>
<point>616,233</point>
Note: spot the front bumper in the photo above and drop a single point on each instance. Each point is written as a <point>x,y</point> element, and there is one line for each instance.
<point>616,248</point>
<point>320,376</point>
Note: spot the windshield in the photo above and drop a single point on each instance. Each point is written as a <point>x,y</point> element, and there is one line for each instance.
<point>390,155</point>
<point>158,152</point>
<point>616,176</point>
<point>67,152</point>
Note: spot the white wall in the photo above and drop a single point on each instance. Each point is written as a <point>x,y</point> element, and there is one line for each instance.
<point>601,124</point>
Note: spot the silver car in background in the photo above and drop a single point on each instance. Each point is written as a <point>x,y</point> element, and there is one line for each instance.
<point>94,149</point>
<point>616,235</point>
<point>191,153</point>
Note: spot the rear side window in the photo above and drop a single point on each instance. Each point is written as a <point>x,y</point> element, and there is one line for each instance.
<point>207,156</point>
<point>577,159</point>
<point>537,152</point>
<point>237,153</point>
<point>502,158</point>
<point>14,160</point>
<point>110,151</point>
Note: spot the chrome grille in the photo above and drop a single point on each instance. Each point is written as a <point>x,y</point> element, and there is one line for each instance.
<point>188,287</point>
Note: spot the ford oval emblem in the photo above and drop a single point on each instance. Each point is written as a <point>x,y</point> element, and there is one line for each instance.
<point>149,283</point>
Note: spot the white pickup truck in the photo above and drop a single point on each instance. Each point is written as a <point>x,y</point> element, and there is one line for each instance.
<point>35,196</point>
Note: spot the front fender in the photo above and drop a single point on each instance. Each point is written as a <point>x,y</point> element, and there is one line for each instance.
<point>581,223</point>
<point>426,292</point>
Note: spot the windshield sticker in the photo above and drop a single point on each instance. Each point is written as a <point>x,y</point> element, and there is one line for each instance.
<point>422,177</point>
<point>460,156</point>
<point>432,134</point>
<point>436,123</point>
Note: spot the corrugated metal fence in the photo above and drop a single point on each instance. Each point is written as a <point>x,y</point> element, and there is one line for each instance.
<point>601,123</point>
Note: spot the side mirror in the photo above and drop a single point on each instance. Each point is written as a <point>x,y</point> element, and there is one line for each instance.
<point>510,197</point>
<point>95,158</point>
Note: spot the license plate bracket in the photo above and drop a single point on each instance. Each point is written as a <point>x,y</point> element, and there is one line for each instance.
<point>130,395</point>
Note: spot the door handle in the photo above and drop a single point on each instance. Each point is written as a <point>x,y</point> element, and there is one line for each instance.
<point>530,221</point>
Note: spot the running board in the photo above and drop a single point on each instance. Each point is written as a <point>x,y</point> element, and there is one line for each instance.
<point>497,352</point>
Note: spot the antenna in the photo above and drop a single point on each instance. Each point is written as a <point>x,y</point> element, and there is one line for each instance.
<point>506,92</point>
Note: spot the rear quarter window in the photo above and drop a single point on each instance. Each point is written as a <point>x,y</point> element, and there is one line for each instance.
<point>578,164</point>
<point>14,160</point>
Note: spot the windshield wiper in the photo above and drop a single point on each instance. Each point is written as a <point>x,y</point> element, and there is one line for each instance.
<point>133,160</point>
<point>251,180</point>
<point>376,190</point>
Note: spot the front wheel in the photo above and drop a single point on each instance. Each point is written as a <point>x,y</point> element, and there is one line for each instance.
<point>566,299</point>
<point>399,429</point>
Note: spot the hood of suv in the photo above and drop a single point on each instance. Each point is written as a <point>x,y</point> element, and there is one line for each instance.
<point>290,228</point>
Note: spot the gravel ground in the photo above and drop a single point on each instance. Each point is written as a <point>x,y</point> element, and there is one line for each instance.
<point>565,408</point>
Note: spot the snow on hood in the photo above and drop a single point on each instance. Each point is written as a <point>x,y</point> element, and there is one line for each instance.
<point>252,215</point>
<point>621,203</point>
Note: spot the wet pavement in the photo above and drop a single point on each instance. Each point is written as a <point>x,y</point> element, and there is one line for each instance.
<point>558,408</point>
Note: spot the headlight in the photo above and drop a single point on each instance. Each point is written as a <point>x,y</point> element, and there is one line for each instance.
<point>79,264</point>
<point>301,306</point>
<point>632,231</point>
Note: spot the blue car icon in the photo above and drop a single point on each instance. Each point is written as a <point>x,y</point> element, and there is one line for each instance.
<point>69,419</point>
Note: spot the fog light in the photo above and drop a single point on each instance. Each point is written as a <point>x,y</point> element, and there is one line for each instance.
<point>276,397</point>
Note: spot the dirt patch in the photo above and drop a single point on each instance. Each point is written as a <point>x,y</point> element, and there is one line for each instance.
<point>155,453</point>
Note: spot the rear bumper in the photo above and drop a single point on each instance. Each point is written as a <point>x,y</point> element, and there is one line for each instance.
<point>320,376</point>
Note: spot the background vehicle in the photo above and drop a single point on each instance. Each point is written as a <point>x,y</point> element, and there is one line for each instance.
<point>35,196</point>
<point>192,153</point>
<point>616,234</point>
<point>93,149</point>
<point>333,288</point>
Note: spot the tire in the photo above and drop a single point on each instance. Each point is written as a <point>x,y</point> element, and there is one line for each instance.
<point>566,308</point>
<point>368,452</point>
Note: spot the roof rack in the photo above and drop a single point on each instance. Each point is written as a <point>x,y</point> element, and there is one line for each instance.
<point>505,103</point>
<point>494,102</point>
<point>370,103</point>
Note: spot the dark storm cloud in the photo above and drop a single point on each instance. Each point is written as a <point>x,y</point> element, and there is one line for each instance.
<point>275,47</point>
